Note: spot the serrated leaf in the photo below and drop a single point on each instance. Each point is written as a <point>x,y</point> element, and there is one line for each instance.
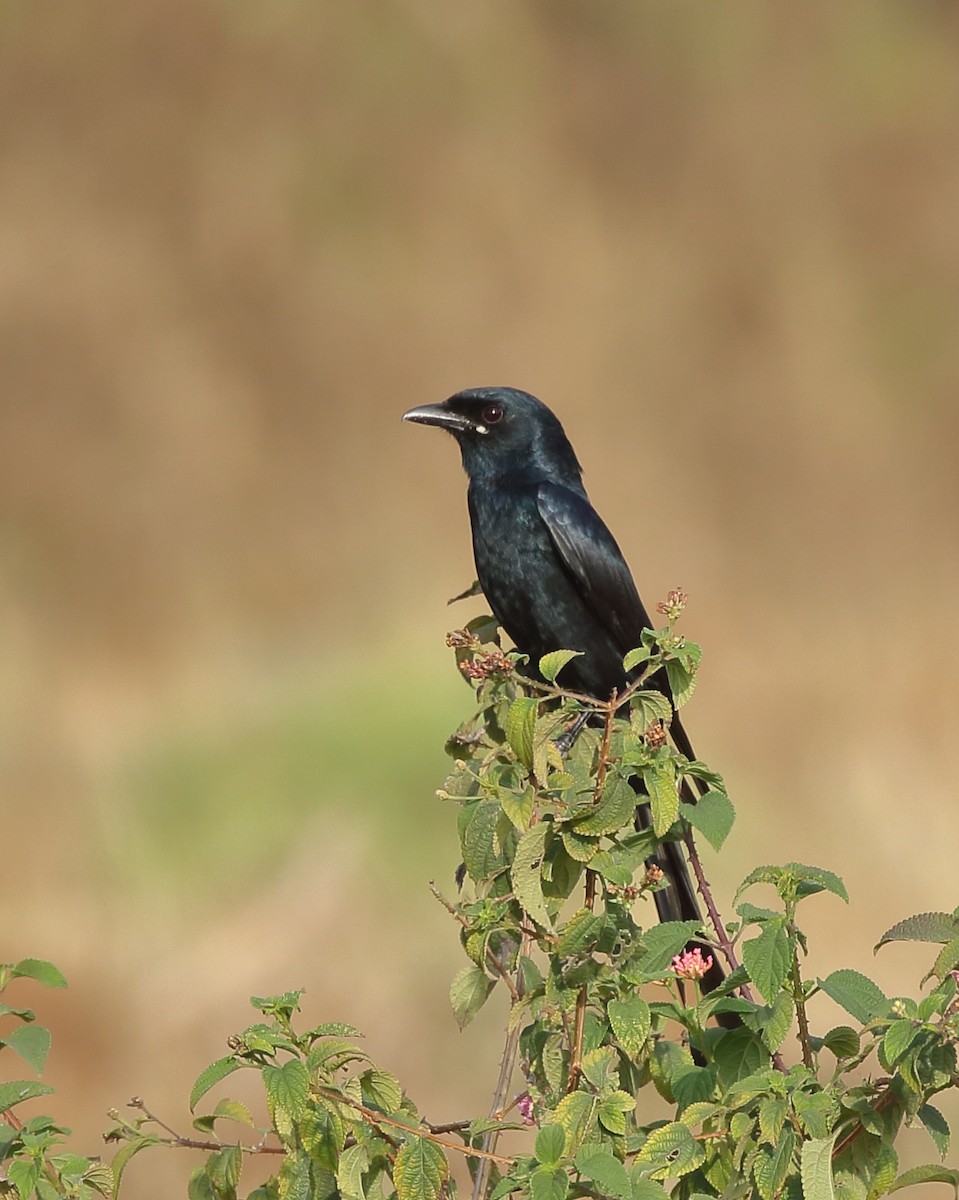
<point>18,1090</point>
<point>576,1113</point>
<point>772,1116</point>
<point>817,879</point>
<point>599,1068</point>
<point>738,1054</point>
<point>682,681</point>
<point>518,806</point>
<point>200,1185</point>
<point>548,1183</point>
<point>946,959</point>
<point>816,1169</point>
<point>615,809</point>
<point>579,846</point>
<point>481,853</point>
<point>923,927</point>
<point>469,991</point>
<point>646,1189</point>
<point>843,1041</point>
<point>636,656</point>
<point>212,1075</point>
<point>647,707</point>
<point>607,1172</point>
<point>293,1180</point>
<point>672,1150</point>
<point>662,943</point>
<point>897,1039</point>
<point>692,1086</point>
<point>631,1022</point>
<point>712,815</point>
<point>224,1168</point>
<point>288,1087</point>
<point>419,1170</point>
<point>772,1163</point>
<point>551,664</point>
<point>354,1161</point>
<point>817,1112</point>
<point>39,969</point>
<point>526,873</point>
<point>322,1133</point>
<point>550,1143</point>
<point>936,1125</point>
<point>660,782</point>
<point>767,959</point>
<point>125,1153</point>
<point>775,1022</point>
<point>927,1174</point>
<point>856,993</point>
<point>580,933</point>
<point>31,1042</point>
<point>381,1090</point>
<point>521,726</point>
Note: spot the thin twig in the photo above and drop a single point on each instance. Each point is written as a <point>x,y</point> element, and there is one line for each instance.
<point>491,958</point>
<point>188,1143</point>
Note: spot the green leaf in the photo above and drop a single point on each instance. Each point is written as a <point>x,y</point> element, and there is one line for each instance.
<point>660,782</point>
<point>551,664</point>
<point>923,927</point>
<point>815,879</point>
<point>636,656</point>
<point>125,1153</point>
<point>469,991</point>
<point>898,1038</point>
<point>662,943</point>
<point>646,1189</point>
<point>381,1090</point>
<point>293,1180</point>
<point>613,1109</point>
<point>843,1041</point>
<point>354,1161</point>
<point>772,1116</point>
<point>576,1113</point>
<point>647,707</point>
<point>767,958</point>
<point>200,1186</point>
<point>18,1090</point>
<point>775,1022</point>
<point>526,873</point>
<point>607,1172</point>
<point>682,681</point>
<point>928,1174</point>
<point>478,841</point>
<point>40,970</point>
<point>737,1054</point>
<point>946,959</point>
<point>712,815</point>
<point>581,932</point>
<point>212,1075</point>
<point>23,1174</point>
<point>518,806</point>
<point>224,1168</point>
<point>419,1170</point>
<point>772,1164</point>
<point>550,1143</point>
<point>857,994</point>
<point>31,1042</point>
<point>288,1087</point>
<point>631,1022</point>
<point>615,809</point>
<point>520,727</point>
<point>936,1125</point>
<point>548,1183</point>
<point>816,1169</point>
<point>672,1150</point>
<point>817,1112</point>
<point>579,846</point>
<point>322,1133</point>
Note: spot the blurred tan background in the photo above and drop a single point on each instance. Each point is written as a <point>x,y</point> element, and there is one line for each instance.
<point>237,240</point>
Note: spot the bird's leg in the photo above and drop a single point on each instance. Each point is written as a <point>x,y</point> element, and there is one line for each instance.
<point>566,740</point>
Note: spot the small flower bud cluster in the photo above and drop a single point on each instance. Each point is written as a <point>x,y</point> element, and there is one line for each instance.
<point>494,662</point>
<point>654,876</point>
<point>461,639</point>
<point>691,964</point>
<point>525,1107</point>
<point>673,605</point>
<point>655,735</point>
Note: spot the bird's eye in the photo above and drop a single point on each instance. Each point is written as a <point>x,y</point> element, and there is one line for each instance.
<point>493,413</point>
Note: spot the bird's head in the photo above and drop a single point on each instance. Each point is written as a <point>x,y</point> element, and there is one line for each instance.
<point>502,430</point>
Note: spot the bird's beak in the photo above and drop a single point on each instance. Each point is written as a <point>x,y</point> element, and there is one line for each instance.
<point>438,414</point>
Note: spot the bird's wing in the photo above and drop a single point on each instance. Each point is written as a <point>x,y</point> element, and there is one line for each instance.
<point>589,552</point>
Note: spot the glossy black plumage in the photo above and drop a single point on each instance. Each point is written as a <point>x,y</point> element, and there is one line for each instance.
<point>549,567</point>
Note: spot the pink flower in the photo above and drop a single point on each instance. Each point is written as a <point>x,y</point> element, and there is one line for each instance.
<point>525,1107</point>
<point>691,964</point>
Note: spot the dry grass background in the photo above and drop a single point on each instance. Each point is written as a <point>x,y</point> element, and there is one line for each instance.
<point>237,240</point>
